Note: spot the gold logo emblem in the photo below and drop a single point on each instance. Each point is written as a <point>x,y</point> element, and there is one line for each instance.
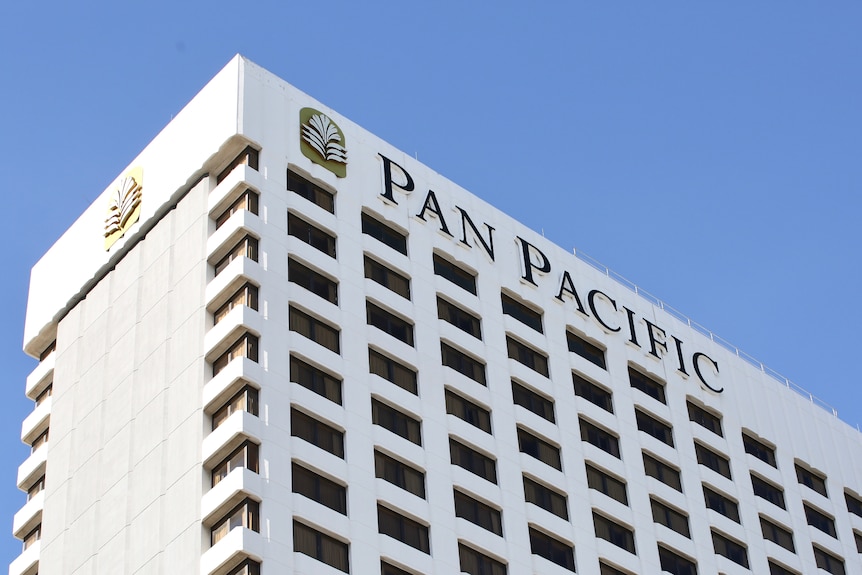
<point>322,141</point>
<point>124,205</point>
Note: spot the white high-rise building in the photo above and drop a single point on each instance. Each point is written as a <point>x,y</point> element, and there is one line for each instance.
<point>276,344</point>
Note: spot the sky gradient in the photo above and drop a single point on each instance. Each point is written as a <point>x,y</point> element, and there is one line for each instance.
<point>710,153</point>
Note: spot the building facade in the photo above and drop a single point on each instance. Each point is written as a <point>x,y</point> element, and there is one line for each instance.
<point>276,344</point>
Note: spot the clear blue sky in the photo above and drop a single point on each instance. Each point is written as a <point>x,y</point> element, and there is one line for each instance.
<point>709,152</point>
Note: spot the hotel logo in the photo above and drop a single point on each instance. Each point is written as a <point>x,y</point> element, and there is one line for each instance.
<point>124,205</point>
<point>322,141</point>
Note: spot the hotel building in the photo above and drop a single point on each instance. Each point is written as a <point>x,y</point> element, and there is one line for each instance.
<point>276,344</point>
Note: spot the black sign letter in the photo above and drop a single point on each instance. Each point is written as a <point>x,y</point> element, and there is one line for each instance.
<point>406,187</point>
<point>528,266</point>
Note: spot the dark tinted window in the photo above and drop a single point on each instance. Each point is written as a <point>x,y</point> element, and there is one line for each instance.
<point>387,277</point>
<point>546,498</point>
<point>538,404</point>
<point>390,323</point>
<point>522,313</point>
<point>590,352</point>
<point>470,412</point>
<point>315,379</point>
<point>462,363</point>
<point>647,385</point>
<point>311,234</point>
<point>310,191</point>
<point>383,233</point>
<point>313,281</point>
<point>528,356</point>
<point>593,393</point>
<point>388,368</point>
<point>462,319</point>
<point>455,274</point>
<point>479,513</point>
<point>600,438</point>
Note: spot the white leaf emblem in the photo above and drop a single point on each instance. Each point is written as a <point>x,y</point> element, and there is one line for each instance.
<point>122,204</point>
<point>321,134</point>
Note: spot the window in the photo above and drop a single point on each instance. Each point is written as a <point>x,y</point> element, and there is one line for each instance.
<point>586,350</point>
<point>248,200</point>
<point>246,247</point>
<point>389,369</point>
<point>529,399</point>
<point>654,427</point>
<point>244,400</point>
<point>246,455</point>
<point>479,513</point>
<point>522,313</point>
<point>709,458</point>
<point>315,379</point>
<point>854,504</point>
<point>600,438</point>
<point>662,471</point>
<point>310,191</point>
<point>828,562</point>
<point>811,479</point>
<point>383,233</point>
<point>527,356</point>
<point>767,491</point>
<point>386,277</point>
<point>777,534</point>
<point>35,488</point>
<point>704,418</point>
<point>313,281</point>
<point>605,569</point>
<point>245,346</point>
<point>546,498</point>
<point>819,520</point>
<point>32,537</point>
<point>622,537</point>
<point>718,502</point>
<point>51,348</point>
<point>462,363</point>
<point>246,514</point>
<point>540,449</point>
<point>458,276</point>
<point>246,295</point>
<point>675,564</point>
<point>316,432</point>
<point>398,423</point>
<point>857,537</point>
<point>472,460</point>
<point>317,488</point>
<point>476,563</point>
<point>758,449</point>
<point>314,329</point>
<point>310,234</point>
<point>552,549</point>
<point>461,319</point>
<point>44,394</point>
<point>734,551</point>
<point>247,567</point>
<point>387,569</point>
<point>249,157</point>
<point>610,486</point>
<point>670,518</point>
<point>399,473</point>
<point>390,323</point>
<point>647,385</point>
<point>326,549</point>
<point>776,569</point>
<point>593,393</point>
<point>403,529</point>
<point>468,411</point>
